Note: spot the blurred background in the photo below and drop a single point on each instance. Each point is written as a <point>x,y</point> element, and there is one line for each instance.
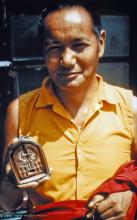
<point>21,61</point>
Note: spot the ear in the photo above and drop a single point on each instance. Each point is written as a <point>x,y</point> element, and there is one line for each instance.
<point>102,40</point>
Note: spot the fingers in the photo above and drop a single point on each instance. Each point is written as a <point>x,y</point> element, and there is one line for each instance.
<point>95,199</point>
<point>93,204</point>
<point>110,209</point>
<point>107,204</point>
<point>33,184</point>
<point>50,170</point>
<point>118,201</point>
<point>7,168</point>
<point>15,140</point>
<point>116,212</point>
<point>30,185</point>
<point>114,218</point>
<point>29,181</point>
<point>46,178</point>
<point>115,206</point>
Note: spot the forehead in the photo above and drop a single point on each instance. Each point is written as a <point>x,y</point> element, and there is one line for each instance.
<point>73,20</point>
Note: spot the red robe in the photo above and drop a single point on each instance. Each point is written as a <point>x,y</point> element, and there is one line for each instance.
<point>124,179</point>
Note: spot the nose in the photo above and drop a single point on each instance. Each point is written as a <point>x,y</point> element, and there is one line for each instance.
<point>68,58</point>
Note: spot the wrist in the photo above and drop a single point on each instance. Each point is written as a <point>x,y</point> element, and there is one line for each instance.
<point>26,202</point>
<point>25,199</point>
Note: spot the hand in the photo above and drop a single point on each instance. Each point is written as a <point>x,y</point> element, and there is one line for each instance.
<point>35,183</point>
<point>114,207</point>
<point>26,163</point>
<point>9,190</point>
<point>29,185</point>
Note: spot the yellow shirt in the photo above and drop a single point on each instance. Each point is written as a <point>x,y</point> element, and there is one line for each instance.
<point>84,159</point>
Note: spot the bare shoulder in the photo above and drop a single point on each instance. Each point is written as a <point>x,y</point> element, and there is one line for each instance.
<point>13,106</point>
<point>11,122</point>
<point>12,115</point>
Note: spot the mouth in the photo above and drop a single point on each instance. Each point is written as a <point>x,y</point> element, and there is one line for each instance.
<point>67,73</point>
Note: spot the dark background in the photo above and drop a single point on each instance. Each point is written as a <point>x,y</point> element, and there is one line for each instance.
<point>19,46</point>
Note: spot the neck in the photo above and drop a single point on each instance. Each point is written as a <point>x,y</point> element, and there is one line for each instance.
<point>74,99</point>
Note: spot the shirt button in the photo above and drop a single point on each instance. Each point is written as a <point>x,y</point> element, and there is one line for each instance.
<point>98,105</point>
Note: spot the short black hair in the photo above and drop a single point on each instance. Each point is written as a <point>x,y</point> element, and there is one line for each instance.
<point>68,4</point>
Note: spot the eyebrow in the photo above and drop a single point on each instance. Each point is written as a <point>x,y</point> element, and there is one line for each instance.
<point>51,41</point>
<point>80,39</point>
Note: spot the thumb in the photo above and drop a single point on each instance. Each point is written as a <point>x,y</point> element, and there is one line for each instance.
<point>96,199</point>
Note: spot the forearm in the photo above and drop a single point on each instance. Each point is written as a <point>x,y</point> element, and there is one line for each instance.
<point>10,195</point>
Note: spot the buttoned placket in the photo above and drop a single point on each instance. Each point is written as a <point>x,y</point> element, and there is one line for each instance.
<point>79,153</point>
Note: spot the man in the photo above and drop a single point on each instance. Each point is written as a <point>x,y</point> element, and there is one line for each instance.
<point>84,125</point>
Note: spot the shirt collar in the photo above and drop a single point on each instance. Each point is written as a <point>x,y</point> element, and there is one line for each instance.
<point>47,97</point>
<point>106,92</point>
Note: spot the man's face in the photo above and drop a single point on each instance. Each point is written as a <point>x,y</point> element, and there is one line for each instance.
<point>71,48</point>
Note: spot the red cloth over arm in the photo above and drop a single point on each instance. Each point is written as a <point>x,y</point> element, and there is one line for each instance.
<point>124,179</point>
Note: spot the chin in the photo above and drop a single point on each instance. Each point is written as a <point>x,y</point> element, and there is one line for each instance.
<point>71,85</point>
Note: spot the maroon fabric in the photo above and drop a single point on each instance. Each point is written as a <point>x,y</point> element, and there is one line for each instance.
<point>124,179</point>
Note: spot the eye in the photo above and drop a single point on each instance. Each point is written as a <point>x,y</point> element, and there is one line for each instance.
<point>53,48</point>
<point>80,46</point>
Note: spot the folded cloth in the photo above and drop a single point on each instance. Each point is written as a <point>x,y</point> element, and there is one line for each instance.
<point>124,179</point>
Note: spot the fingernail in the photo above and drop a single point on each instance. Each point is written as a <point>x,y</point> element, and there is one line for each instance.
<point>91,204</point>
<point>90,216</point>
<point>15,140</point>
<point>7,168</point>
<point>50,170</point>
